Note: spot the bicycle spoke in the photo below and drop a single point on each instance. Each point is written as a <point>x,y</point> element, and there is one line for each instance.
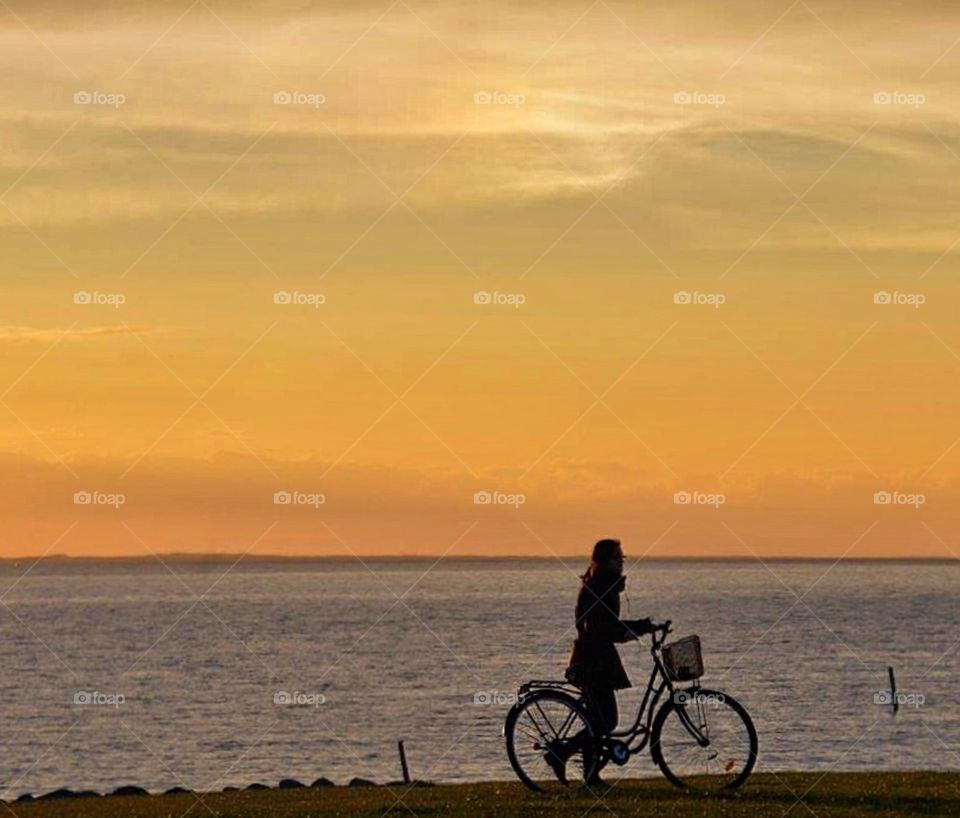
<point>539,732</point>
<point>545,718</point>
<point>728,751</point>
<point>544,734</point>
<point>565,727</point>
<point>528,733</point>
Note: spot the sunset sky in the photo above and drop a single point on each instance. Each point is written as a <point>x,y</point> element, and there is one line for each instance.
<point>594,160</point>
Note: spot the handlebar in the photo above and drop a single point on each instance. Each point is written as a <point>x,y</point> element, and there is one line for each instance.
<point>662,629</point>
<point>658,632</point>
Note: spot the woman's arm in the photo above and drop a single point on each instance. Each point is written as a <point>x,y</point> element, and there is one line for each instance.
<point>597,618</point>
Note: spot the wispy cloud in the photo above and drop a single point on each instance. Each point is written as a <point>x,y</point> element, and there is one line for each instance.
<point>17,336</point>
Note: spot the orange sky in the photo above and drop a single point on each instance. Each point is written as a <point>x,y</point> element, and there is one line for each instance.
<point>587,165</point>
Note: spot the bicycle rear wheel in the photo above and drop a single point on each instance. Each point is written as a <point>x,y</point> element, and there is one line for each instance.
<point>704,740</point>
<point>546,726</point>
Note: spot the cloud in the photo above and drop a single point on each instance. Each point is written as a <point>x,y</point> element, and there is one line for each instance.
<point>227,504</point>
<point>18,336</point>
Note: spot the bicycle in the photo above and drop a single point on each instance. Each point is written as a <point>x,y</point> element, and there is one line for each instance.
<point>699,738</point>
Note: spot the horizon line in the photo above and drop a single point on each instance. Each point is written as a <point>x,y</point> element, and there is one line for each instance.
<point>207,556</point>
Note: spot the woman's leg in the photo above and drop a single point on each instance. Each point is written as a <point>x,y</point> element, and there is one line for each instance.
<point>601,706</point>
<point>607,714</point>
<point>602,709</point>
<point>595,713</point>
<point>604,713</point>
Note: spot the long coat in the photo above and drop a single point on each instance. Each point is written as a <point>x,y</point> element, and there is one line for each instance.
<point>594,661</point>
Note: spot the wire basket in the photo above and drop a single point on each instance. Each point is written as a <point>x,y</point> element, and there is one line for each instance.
<point>683,660</point>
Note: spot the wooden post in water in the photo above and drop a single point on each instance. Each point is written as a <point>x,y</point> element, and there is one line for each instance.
<point>893,691</point>
<point>403,763</point>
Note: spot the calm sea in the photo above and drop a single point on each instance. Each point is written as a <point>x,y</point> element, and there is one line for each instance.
<point>114,673</point>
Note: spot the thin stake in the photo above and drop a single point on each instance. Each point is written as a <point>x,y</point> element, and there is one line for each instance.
<point>893,691</point>
<point>403,763</point>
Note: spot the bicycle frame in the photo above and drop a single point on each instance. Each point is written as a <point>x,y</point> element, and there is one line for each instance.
<point>658,682</point>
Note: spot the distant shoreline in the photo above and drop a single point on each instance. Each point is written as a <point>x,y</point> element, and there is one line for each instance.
<point>228,558</point>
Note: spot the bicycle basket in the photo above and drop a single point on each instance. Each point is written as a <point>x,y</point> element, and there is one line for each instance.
<point>683,660</point>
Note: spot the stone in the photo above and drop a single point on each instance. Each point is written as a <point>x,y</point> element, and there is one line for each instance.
<point>130,789</point>
<point>361,782</point>
<point>290,784</point>
<point>321,782</point>
<point>55,795</point>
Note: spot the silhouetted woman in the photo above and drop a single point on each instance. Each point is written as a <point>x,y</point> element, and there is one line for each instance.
<point>595,665</point>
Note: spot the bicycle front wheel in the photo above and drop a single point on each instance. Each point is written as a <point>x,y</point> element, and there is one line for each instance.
<point>704,740</point>
<point>549,732</point>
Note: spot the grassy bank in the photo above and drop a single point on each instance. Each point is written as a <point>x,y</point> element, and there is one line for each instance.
<point>830,796</point>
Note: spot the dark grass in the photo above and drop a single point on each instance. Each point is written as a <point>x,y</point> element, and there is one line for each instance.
<point>833,795</point>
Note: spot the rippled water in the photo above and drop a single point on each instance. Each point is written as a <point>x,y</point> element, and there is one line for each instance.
<point>199,678</point>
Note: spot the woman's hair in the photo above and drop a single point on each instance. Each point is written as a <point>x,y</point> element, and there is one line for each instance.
<point>603,552</point>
